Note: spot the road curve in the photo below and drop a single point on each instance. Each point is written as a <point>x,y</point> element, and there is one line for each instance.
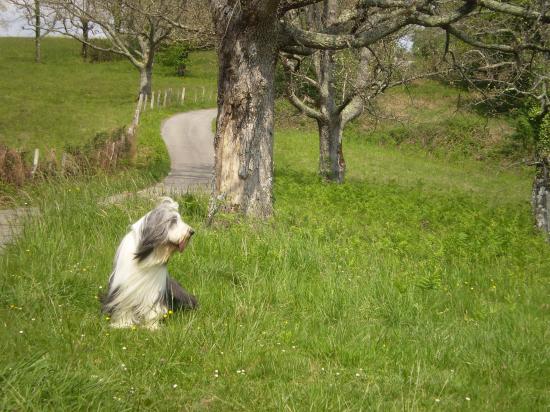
<point>190,142</point>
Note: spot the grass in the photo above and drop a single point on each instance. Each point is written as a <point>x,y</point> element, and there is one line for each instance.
<point>396,290</point>
<point>66,101</point>
<point>418,284</point>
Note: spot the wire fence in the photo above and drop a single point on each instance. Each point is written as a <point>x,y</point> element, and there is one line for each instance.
<point>178,97</point>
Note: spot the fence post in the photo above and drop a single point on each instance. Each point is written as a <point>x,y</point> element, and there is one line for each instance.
<point>132,130</point>
<point>182,95</point>
<point>35,162</point>
<point>145,103</point>
<point>152,101</point>
<point>164,101</point>
<point>158,99</point>
<point>63,162</point>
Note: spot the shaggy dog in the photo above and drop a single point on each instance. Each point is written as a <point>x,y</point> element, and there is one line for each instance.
<point>140,290</point>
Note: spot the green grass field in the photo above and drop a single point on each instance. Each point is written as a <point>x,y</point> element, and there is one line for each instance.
<point>420,284</point>
<point>66,101</point>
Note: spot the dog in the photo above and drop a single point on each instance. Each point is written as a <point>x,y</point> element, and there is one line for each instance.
<point>141,292</point>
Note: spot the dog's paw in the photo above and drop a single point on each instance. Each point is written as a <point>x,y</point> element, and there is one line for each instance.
<point>121,325</point>
<point>152,326</point>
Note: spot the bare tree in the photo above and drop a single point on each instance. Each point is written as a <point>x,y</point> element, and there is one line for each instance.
<point>135,28</point>
<point>251,34</point>
<point>333,87</point>
<point>41,18</point>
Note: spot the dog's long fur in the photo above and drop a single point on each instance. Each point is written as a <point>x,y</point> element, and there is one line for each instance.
<point>140,290</point>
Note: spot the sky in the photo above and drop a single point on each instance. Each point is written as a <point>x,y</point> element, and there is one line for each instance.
<point>11,22</point>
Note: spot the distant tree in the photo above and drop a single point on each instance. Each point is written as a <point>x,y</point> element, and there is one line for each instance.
<point>41,17</point>
<point>136,29</point>
<point>333,87</point>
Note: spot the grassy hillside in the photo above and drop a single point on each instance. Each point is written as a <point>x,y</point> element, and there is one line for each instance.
<point>65,101</point>
<point>419,284</point>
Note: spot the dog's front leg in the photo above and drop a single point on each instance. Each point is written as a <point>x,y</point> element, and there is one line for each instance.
<point>154,316</point>
<point>122,320</point>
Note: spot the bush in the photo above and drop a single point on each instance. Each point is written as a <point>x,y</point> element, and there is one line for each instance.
<point>174,56</point>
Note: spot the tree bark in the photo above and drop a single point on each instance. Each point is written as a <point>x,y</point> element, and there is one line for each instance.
<point>146,80</point>
<point>146,70</point>
<point>332,166</point>
<point>85,37</point>
<point>37,34</point>
<point>540,198</point>
<point>244,135</point>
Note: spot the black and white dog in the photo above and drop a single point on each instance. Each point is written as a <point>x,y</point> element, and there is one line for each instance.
<point>140,290</point>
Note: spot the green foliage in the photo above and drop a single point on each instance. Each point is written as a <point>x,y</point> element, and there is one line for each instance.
<point>175,56</point>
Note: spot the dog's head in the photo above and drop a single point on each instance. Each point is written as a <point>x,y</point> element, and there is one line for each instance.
<point>162,232</point>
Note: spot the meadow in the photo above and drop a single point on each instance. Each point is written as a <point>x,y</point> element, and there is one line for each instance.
<point>66,101</point>
<point>419,284</point>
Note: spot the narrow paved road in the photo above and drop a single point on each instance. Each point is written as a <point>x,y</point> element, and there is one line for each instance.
<point>11,223</point>
<point>190,142</point>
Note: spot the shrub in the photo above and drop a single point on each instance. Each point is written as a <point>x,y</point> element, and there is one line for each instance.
<point>174,56</point>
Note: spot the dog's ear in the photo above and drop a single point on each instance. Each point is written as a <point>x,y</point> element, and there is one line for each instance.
<point>152,234</point>
<point>169,203</point>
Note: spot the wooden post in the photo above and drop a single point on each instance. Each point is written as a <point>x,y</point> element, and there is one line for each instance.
<point>165,96</point>
<point>35,161</point>
<point>182,95</point>
<point>158,99</point>
<point>144,103</point>
<point>152,101</point>
<point>132,135</point>
<point>63,162</point>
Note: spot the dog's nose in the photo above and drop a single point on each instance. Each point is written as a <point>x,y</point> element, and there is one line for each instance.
<point>191,232</point>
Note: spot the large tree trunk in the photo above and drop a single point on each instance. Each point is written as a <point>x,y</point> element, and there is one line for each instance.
<point>37,34</point>
<point>541,196</point>
<point>244,135</point>
<point>332,166</point>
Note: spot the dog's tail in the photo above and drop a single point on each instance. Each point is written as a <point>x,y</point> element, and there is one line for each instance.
<point>177,298</point>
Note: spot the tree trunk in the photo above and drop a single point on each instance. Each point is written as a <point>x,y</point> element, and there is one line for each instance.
<point>332,166</point>
<point>244,136</point>
<point>540,198</point>
<point>146,79</point>
<point>85,37</point>
<point>37,34</point>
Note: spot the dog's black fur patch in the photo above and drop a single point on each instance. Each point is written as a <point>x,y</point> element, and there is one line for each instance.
<point>177,298</point>
<point>106,299</point>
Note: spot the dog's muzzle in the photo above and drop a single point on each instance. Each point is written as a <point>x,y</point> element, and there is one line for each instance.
<point>185,240</point>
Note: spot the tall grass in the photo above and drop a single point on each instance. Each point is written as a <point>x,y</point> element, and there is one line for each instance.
<point>398,290</point>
